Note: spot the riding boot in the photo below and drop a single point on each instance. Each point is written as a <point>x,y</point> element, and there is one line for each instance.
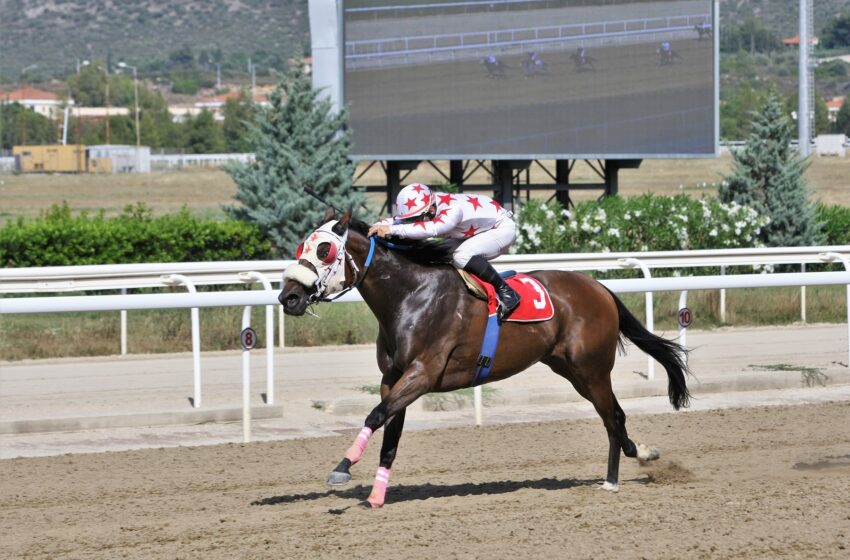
<point>508,298</point>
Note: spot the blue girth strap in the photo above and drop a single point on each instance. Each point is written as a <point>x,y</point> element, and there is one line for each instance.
<point>488,350</point>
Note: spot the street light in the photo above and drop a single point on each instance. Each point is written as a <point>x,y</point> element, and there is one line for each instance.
<point>136,95</point>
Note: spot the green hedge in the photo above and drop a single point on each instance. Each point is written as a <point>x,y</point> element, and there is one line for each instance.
<point>57,238</point>
<point>836,224</point>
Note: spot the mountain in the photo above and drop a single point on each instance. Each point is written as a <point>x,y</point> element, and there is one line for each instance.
<point>56,33</point>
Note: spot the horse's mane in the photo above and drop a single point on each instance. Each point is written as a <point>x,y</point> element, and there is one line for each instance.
<point>426,252</point>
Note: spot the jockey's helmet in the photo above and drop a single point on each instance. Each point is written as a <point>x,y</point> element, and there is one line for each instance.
<point>413,200</point>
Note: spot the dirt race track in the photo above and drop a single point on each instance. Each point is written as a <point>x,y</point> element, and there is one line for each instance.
<point>754,483</point>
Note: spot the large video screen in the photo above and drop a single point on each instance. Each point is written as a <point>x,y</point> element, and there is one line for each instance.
<point>504,79</point>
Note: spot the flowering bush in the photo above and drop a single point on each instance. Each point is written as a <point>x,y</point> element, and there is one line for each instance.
<point>643,223</point>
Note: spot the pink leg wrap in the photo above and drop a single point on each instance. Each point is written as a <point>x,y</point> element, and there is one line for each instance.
<point>356,450</point>
<point>379,489</point>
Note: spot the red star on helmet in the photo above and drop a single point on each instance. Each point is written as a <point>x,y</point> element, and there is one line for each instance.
<point>307,249</point>
<point>442,213</point>
<point>471,231</point>
<point>445,199</point>
<point>420,224</point>
<point>437,220</point>
<point>314,237</point>
<point>474,201</point>
<point>418,188</point>
<point>496,204</point>
<point>411,202</point>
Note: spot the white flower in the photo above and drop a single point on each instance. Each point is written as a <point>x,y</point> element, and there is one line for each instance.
<point>713,232</point>
<point>614,231</point>
<point>627,216</point>
<point>637,213</point>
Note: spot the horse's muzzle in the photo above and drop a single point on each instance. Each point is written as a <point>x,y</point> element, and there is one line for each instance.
<point>293,303</point>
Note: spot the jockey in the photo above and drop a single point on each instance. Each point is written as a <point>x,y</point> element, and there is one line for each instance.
<point>491,59</point>
<point>487,229</point>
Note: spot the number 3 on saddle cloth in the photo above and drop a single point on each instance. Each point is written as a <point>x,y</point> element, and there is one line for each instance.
<point>535,305</point>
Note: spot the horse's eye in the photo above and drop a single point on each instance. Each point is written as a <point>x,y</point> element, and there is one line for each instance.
<point>326,252</point>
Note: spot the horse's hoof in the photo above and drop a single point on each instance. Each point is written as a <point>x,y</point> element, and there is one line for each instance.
<point>610,487</point>
<point>338,478</point>
<point>366,504</point>
<point>645,453</point>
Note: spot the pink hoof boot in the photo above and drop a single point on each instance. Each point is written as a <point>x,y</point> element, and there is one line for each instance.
<point>379,488</point>
<point>359,446</point>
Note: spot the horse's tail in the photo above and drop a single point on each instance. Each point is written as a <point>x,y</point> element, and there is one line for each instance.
<point>668,353</point>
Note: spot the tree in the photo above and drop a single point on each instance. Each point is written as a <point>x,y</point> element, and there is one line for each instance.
<point>298,141</point>
<point>836,33</point>
<point>842,119</point>
<point>238,113</point>
<point>19,124</point>
<point>768,177</point>
<point>203,134</point>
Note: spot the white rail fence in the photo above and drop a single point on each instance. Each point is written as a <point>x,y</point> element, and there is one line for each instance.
<point>122,277</point>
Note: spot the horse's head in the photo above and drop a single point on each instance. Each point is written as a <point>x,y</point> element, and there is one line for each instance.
<point>320,270</point>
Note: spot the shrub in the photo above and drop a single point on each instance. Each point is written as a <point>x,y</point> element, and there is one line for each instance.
<point>57,238</point>
<point>836,224</point>
<point>643,223</point>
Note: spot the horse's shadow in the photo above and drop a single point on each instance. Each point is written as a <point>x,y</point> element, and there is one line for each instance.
<point>406,493</point>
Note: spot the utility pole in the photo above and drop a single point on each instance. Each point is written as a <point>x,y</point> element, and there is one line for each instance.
<point>138,130</point>
<point>218,76</point>
<point>23,107</point>
<point>803,124</point>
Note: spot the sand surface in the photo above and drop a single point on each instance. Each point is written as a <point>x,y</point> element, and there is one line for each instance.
<point>768,482</point>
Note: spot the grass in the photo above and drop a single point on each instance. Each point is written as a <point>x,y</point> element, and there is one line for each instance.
<point>204,191</point>
<point>157,331</point>
<point>811,376</point>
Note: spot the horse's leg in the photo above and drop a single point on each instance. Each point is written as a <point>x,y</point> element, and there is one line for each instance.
<point>412,384</point>
<point>389,447</point>
<point>594,384</point>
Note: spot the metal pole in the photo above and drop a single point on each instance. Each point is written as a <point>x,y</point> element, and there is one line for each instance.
<point>179,279</point>
<point>722,298</point>
<point>803,296</point>
<point>832,257</point>
<point>650,316</point>
<point>683,331</point>
<point>138,131</point>
<point>803,133</point>
<point>254,276</point>
<point>246,380</point>
<point>123,326</point>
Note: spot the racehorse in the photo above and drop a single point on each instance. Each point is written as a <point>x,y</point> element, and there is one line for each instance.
<point>667,56</point>
<point>703,29</point>
<point>431,328</point>
<point>495,67</point>
<point>582,61</point>
<point>533,65</point>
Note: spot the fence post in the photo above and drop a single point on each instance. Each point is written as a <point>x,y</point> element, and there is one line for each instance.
<point>178,280</point>
<point>246,376</point>
<point>803,296</point>
<point>833,257</point>
<point>650,316</point>
<point>722,297</point>
<point>254,276</point>
<point>123,326</point>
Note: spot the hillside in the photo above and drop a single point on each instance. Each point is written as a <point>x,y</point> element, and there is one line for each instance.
<point>56,33</point>
<point>780,16</point>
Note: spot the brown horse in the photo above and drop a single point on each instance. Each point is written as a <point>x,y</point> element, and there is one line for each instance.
<point>431,329</point>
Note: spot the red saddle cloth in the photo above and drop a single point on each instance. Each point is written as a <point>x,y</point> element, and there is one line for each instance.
<point>535,304</point>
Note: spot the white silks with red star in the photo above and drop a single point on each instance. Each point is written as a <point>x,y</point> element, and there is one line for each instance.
<point>329,277</point>
<point>458,216</point>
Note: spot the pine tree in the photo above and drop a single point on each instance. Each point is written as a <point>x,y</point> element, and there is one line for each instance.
<point>298,141</point>
<point>768,177</point>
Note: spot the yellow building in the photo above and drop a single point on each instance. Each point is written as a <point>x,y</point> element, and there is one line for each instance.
<point>50,159</point>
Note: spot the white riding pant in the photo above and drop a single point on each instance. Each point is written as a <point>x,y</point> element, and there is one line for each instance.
<point>489,244</point>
